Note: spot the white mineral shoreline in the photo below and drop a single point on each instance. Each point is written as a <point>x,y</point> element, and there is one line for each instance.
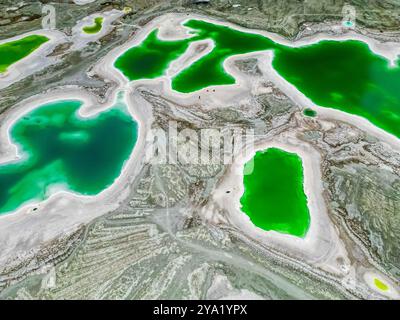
<point>83,2</point>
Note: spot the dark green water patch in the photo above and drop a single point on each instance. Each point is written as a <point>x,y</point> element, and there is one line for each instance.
<point>13,51</point>
<point>58,147</point>
<point>274,197</point>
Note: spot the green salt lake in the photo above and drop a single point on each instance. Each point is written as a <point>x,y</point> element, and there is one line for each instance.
<point>95,27</point>
<point>309,112</point>
<point>60,148</point>
<point>273,196</point>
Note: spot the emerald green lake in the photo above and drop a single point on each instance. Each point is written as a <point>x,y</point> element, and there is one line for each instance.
<point>343,75</point>
<point>13,51</point>
<point>209,70</point>
<point>58,147</point>
<point>95,27</point>
<point>309,112</point>
<point>151,58</point>
<point>274,197</point>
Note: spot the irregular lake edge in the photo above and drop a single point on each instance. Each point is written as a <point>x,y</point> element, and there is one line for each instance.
<point>89,108</point>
